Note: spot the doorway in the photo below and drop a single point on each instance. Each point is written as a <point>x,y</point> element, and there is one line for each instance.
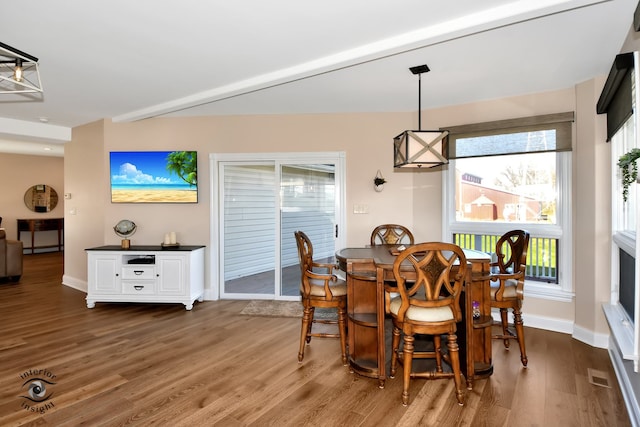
<point>259,201</point>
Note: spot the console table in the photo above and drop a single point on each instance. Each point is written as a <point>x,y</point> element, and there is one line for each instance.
<point>151,274</point>
<point>42,224</point>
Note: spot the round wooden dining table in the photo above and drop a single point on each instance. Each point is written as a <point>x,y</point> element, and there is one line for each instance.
<point>367,270</point>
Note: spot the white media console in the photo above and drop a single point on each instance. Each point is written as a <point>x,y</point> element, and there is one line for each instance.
<point>151,274</point>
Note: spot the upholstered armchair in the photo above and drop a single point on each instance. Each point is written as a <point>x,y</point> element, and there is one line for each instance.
<point>10,257</point>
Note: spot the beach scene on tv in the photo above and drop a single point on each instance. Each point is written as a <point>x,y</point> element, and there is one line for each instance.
<point>154,177</point>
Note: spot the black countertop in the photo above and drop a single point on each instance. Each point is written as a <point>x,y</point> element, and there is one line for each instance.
<point>146,248</point>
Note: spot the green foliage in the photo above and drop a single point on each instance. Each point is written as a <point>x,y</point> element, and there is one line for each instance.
<point>379,181</point>
<point>184,164</point>
<point>629,169</point>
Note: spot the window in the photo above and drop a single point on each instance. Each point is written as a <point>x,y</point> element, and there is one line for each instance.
<point>515,174</point>
<point>622,142</point>
<point>624,227</point>
<point>619,100</point>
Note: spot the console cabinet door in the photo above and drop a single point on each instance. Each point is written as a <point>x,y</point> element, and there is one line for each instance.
<point>104,274</point>
<point>171,274</point>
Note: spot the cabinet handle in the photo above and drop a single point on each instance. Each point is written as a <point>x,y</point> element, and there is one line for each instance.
<point>138,272</point>
<point>138,287</point>
<point>117,274</point>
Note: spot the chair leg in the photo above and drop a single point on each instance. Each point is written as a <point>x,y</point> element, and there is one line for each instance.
<point>312,310</point>
<point>454,357</point>
<point>407,359</point>
<point>307,317</point>
<point>505,326</point>
<point>436,348</point>
<point>517,320</point>
<point>395,343</point>
<point>342,327</point>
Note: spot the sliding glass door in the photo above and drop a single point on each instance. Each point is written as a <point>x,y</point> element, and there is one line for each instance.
<point>307,203</point>
<point>261,203</point>
<point>248,229</point>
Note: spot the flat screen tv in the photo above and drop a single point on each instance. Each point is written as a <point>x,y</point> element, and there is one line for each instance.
<point>154,176</point>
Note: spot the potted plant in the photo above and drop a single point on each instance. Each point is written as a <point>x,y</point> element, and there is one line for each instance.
<point>629,169</point>
<point>378,182</point>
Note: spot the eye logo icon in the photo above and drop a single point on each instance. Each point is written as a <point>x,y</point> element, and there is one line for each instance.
<point>37,389</point>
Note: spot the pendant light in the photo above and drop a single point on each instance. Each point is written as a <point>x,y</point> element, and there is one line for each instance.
<point>420,148</point>
<point>19,71</point>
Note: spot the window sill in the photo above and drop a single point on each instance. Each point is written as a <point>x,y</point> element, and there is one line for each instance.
<point>621,331</point>
<point>547,291</point>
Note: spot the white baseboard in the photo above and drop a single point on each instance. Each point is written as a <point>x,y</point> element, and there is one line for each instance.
<point>630,398</point>
<point>210,295</point>
<point>540,322</point>
<point>563,326</point>
<point>74,283</point>
<point>588,336</point>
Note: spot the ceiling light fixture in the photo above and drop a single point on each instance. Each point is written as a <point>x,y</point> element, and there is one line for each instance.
<point>19,71</point>
<point>420,148</point>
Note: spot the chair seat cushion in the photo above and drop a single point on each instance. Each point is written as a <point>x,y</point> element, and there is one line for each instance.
<point>509,289</point>
<point>338,288</point>
<point>422,314</point>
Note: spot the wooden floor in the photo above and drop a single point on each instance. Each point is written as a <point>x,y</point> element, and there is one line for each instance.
<point>141,364</point>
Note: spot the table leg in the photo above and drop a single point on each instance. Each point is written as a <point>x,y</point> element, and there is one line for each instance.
<point>32,230</point>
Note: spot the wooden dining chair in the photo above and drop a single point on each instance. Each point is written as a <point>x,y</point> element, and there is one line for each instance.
<point>507,285</point>
<point>391,234</point>
<point>429,304</point>
<point>319,287</point>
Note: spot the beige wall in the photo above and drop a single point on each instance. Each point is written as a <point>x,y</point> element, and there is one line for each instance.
<point>18,172</point>
<point>592,215</point>
<point>366,139</point>
<point>413,198</point>
<point>85,180</point>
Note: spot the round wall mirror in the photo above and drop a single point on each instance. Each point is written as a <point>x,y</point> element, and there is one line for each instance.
<point>41,198</point>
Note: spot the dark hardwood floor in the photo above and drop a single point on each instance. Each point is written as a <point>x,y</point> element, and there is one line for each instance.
<point>144,364</point>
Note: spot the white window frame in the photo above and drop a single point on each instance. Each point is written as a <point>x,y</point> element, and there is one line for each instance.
<point>562,230</point>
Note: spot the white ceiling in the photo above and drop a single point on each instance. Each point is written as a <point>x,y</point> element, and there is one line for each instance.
<point>128,60</point>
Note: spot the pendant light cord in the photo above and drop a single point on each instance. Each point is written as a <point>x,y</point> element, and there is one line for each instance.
<point>420,101</point>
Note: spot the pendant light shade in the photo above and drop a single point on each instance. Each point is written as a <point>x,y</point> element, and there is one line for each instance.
<point>420,148</point>
<point>19,71</point>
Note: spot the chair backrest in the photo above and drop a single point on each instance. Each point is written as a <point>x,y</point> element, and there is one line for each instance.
<point>391,234</point>
<point>305,252</point>
<point>511,252</point>
<point>430,275</point>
